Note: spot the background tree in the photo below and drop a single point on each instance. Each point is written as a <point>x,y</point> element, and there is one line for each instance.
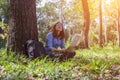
<point>118,22</point>
<point>48,13</point>
<point>22,24</point>
<point>100,21</point>
<point>86,21</point>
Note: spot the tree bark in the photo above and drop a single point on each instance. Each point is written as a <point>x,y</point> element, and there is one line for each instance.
<point>100,21</point>
<point>22,24</point>
<point>86,21</point>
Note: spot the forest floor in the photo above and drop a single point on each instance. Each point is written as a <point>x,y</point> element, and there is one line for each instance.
<point>89,64</point>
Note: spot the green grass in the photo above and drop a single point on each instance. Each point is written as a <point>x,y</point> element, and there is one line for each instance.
<point>86,65</point>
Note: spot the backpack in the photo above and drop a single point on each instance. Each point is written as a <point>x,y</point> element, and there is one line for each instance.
<point>35,49</point>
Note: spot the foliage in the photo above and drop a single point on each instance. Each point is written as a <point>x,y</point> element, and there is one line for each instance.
<point>3,22</point>
<point>46,16</point>
<point>4,10</point>
<point>3,34</point>
<point>4,27</point>
<point>94,63</point>
<point>49,12</point>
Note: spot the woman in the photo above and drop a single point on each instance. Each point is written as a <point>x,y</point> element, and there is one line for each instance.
<point>55,39</point>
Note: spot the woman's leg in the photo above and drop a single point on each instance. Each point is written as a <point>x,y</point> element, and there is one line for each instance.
<point>54,54</point>
<point>61,55</point>
<point>67,55</point>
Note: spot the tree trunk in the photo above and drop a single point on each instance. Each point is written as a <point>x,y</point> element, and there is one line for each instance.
<point>118,22</point>
<point>106,36</point>
<point>86,21</point>
<point>100,21</point>
<point>22,24</point>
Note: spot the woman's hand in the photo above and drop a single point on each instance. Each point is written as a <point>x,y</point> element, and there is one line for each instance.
<point>62,50</point>
<point>53,49</point>
<point>58,50</point>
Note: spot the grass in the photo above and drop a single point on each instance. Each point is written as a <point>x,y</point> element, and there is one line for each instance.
<point>88,64</point>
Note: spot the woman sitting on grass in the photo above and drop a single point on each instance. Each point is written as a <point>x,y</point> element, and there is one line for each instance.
<point>55,39</point>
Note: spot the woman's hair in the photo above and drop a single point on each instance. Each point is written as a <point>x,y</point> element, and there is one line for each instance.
<point>62,33</point>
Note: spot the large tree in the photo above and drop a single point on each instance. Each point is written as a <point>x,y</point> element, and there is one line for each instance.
<point>22,24</point>
<point>86,21</point>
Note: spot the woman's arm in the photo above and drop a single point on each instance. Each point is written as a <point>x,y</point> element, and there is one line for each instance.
<point>58,50</point>
<point>49,41</point>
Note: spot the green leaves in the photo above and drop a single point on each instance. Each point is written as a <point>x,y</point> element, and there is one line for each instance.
<point>93,63</point>
<point>98,66</point>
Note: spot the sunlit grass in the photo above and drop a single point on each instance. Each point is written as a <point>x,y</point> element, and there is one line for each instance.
<point>88,63</point>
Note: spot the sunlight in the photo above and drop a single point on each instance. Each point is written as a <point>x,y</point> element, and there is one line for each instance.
<point>59,40</point>
<point>108,2</point>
